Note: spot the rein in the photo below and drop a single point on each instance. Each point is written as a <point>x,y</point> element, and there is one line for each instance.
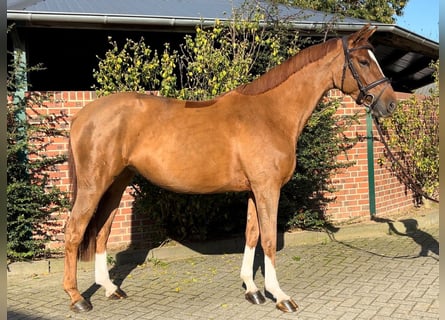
<point>408,178</point>
<point>364,97</point>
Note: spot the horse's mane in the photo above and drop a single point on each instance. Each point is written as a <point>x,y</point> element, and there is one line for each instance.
<point>280,73</point>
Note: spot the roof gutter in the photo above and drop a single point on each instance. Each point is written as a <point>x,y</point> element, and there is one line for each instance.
<point>70,18</point>
<point>39,18</point>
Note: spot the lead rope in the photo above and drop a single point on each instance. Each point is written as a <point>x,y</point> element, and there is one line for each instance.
<point>414,187</point>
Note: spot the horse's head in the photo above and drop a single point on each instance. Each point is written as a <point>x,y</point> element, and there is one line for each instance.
<point>361,76</point>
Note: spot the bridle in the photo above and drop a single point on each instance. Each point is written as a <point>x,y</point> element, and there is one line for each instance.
<point>369,101</point>
<point>364,97</point>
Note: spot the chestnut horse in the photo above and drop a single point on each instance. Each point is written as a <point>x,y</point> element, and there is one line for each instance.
<point>243,140</point>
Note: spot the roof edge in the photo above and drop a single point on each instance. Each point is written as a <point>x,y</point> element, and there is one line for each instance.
<point>381,27</point>
<point>110,19</point>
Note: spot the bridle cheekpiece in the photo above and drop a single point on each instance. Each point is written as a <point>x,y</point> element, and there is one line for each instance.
<point>364,97</point>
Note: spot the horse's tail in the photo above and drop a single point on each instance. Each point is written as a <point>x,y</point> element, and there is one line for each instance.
<point>72,173</point>
<point>87,247</point>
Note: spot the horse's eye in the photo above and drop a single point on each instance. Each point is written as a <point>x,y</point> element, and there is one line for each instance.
<point>364,63</point>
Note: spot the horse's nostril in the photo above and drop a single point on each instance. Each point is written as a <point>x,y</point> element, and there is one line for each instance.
<point>392,107</point>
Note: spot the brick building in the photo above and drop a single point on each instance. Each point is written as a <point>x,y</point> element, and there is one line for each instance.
<point>66,36</point>
<point>352,195</point>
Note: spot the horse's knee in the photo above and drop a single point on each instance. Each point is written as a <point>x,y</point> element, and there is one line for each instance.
<point>269,248</point>
<point>268,245</point>
<point>252,238</point>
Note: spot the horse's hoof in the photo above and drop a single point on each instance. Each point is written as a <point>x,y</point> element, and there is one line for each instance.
<point>287,305</point>
<point>255,297</point>
<point>118,294</point>
<point>82,305</point>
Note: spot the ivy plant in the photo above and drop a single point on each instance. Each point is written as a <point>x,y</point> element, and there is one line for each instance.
<point>413,135</point>
<point>31,197</point>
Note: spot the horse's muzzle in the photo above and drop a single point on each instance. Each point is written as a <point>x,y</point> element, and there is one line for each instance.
<point>391,107</point>
<point>382,109</point>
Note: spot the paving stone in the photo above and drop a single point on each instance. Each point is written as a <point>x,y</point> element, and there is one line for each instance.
<point>356,279</point>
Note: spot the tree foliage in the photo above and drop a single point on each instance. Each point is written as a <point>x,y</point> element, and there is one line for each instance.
<point>372,10</point>
<point>413,134</point>
<point>31,200</point>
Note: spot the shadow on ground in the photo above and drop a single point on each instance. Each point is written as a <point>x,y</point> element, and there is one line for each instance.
<point>129,259</point>
<point>22,316</point>
<point>126,261</point>
<point>426,241</point>
<point>429,246</point>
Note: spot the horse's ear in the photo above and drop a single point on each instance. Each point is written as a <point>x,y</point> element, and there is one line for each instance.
<point>363,34</point>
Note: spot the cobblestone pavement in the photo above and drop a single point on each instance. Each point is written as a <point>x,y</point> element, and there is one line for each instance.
<point>391,276</point>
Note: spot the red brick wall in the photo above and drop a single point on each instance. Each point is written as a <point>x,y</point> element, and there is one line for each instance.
<point>352,184</point>
<point>352,195</point>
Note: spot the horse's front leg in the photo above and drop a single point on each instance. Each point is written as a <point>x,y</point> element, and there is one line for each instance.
<point>252,294</point>
<point>267,207</point>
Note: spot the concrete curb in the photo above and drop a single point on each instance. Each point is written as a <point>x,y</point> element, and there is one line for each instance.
<point>175,250</point>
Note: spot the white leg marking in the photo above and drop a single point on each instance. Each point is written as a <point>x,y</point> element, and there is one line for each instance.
<point>271,282</point>
<point>101,275</point>
<point>371,54</point>
<point>247,269</point>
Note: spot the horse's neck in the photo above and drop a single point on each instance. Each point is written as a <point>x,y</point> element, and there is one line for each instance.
<point>296,98</point>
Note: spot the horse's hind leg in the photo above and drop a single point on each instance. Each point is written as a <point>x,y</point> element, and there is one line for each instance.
<point>81,213</point>
<point>93,210</point>
<point>106,211</point>
<point>252,294</point>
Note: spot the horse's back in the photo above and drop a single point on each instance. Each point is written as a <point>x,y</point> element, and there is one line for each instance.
<point>111,106</point>
<point>180,145</point>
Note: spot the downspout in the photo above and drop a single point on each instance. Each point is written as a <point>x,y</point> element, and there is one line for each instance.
<point>370,153</point>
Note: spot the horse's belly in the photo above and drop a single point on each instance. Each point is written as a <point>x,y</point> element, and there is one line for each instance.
<point>196,180</point>
<point>193,173</point>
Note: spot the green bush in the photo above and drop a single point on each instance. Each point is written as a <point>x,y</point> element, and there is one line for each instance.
<point>134,68</point>
<point>31,200</point>
<point>413,133</point>
<point>303,199</point>
<point>214,61</point>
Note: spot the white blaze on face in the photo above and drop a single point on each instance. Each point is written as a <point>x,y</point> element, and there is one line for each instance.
<point>371,54</point>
